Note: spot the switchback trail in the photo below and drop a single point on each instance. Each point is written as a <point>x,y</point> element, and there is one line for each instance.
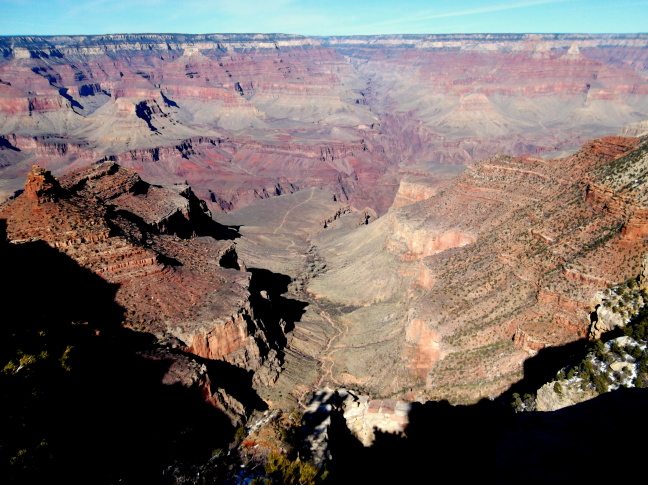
<point>325,360</point>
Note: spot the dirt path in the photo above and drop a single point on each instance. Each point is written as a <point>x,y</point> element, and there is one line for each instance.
<point>325,359</point>
<point>292,209</point>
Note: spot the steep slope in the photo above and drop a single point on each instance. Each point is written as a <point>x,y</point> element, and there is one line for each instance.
<point>239,117</point>
<point>461,98</point>
<point>86,399</point>
<point>447,297</point>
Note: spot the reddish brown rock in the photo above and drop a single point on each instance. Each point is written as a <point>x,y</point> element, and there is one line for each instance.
<point>243,117</point>
<point>185,371</point>
<point>144,238</point>
<point>410,192</point>
<point>422,349</point>
<point>41,186</point>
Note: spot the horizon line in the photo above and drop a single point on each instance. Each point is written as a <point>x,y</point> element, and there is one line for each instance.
<point>330,35</point>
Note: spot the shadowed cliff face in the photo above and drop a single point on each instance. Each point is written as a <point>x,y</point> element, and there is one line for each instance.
<point>248,117</point>
<point>84,399</point>
<point>159,245</point>
<point>468,443</point>
<point>128,319</point>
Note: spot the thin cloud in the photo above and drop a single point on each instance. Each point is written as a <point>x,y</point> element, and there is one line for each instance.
<point>255,8</point>
<point>18,22</point>
<point>434,14</point>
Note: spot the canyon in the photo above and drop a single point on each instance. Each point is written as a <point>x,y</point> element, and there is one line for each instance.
<point>419,306</point>
<point>243,117</point>
<point>276,220</point>
<point>448,297</point>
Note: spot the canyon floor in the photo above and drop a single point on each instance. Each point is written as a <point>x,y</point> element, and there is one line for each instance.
<point>422,304</point>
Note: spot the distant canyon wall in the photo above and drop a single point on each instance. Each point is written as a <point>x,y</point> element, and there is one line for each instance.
<point>243,117</point>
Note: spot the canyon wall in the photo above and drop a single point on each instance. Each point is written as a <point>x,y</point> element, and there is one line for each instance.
<point>474,267</point>
<point>244,117</point>
<point>446,298</point>
<point>174,277</point>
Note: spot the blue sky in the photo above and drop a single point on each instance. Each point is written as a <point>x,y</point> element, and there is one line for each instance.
<point>329,17</point>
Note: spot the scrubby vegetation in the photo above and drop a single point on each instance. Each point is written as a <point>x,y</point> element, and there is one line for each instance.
<point>618,359</point>
<point>272,451</point>
<point>626,172</point>
<point>525,403</point>
<point>281,469</point>
<point>621,361</point>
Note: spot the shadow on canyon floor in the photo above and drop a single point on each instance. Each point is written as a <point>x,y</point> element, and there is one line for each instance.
<point>594,440</point>
<point>83,399</point>
<point>236,382</point>
<point>178,225</point>
<point>543,367</point>
<point>219,231</point>
<point>279,313</point>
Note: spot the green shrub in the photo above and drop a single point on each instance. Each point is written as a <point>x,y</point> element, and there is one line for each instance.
<point>240,434</point>
<point>600,383</point>
<point>599,348</point>
<point>636,352</point>
<point>292,472</point>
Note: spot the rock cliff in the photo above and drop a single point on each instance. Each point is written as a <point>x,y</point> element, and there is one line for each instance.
<point>447,297</point>
<point>176,279</point>
<point>244,117</point>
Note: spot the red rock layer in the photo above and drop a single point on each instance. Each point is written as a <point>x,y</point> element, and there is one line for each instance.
<point>459,289</point>
<point>544,244</point>
<point>279,113</point>
<point>111,222</point>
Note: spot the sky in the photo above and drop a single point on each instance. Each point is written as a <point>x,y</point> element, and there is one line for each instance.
<point>328,17</point>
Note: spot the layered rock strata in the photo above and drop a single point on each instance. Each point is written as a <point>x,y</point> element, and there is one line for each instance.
<point>244,117</point>
<point>447,297</point>
<point>176,280</point>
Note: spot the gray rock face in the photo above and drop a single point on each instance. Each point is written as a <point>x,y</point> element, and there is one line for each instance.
<point>363,416</point>
<point>606,319</point>
<point>643,277</point>
<point>615,307</point>
<point>551,397</point>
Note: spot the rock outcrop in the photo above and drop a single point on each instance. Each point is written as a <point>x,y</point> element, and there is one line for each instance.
<point>549,399</point>
<point>41,186</point>
<point>364,417</point>
<point>176,279</point>
<point>187,372</point>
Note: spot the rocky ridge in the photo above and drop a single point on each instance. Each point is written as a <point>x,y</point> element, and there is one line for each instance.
<point>176,279</point>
